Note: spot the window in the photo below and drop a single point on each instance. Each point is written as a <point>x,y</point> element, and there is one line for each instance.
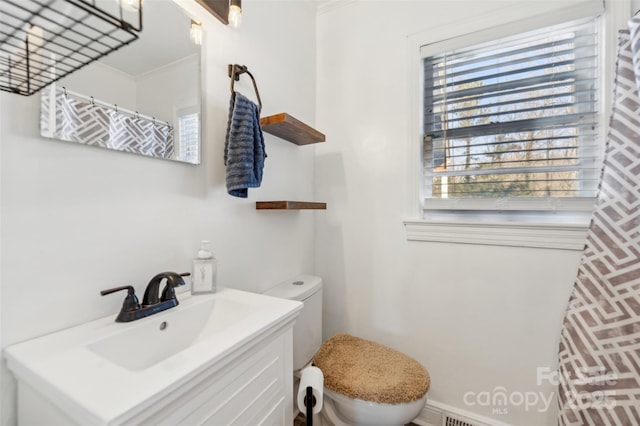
<point>188,146</point>
<point>513,124</point>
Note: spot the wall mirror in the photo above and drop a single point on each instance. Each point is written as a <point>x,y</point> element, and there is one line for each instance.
<point>144,98</point>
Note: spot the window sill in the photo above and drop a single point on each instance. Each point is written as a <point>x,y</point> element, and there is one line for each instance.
<point>510,234</point>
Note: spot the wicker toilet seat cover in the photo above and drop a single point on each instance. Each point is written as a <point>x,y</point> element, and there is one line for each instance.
<point>366,370</point>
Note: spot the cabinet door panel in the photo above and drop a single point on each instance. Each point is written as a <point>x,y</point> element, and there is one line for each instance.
<point>227,396</point>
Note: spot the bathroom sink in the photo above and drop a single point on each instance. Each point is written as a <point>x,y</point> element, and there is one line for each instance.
<point>144,343</point>
<point>104,371</point>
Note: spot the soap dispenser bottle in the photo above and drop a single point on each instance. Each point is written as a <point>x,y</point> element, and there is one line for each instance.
<point>203,274</point>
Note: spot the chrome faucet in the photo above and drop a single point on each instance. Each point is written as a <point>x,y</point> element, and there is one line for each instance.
<point>152,302</point>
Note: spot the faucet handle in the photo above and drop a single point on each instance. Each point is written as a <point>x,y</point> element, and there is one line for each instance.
<point>173,281</point>
<point>130,302</point>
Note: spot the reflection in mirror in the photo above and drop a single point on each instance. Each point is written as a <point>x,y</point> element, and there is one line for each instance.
<point>144,98</point>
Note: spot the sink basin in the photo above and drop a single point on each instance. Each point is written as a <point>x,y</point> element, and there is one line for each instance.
<point>103,371</point>
<point>146,343</point>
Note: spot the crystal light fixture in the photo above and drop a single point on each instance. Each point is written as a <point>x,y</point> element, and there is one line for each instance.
<point>235,13</point>
<point>131,5</point>
<point>195,33</point>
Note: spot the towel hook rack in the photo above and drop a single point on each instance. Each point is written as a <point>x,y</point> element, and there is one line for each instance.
<point>235,71</point>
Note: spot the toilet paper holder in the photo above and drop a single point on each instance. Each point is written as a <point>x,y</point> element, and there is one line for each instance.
<point>309,398</point>
<point>309,394</point>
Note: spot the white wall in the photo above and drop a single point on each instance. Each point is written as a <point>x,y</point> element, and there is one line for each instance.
<point>478,317</point>
<point>78,219</point>
<point>104,83</point>
<point>163,91</point>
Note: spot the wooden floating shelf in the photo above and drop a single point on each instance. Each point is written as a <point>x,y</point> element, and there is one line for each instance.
<point>291,129</point>
<point>290,205</point>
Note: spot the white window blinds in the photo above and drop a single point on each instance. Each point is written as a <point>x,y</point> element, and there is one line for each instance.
<point>188,133</point>
<point>516,117</point>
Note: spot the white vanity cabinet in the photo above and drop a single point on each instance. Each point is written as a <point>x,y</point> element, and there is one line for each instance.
<point>238,375</point>
<point>255,388</point>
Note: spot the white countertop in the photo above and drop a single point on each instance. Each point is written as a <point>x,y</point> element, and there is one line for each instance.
<point>90,387</point>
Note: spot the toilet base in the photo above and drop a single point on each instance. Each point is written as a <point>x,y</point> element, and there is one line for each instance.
<point>353,412</point>
<point>329,417</point>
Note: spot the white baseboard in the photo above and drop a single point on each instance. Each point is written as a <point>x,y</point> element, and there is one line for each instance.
<point>431,415</point>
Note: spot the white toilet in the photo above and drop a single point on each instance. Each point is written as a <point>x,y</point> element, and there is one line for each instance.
<point>339,408</point>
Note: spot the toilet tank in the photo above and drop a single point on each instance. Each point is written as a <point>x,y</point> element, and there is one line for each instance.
<point>307,330</point>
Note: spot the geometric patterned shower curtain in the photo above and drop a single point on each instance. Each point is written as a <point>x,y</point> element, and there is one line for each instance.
<point>599,352</point>
<point>132,134</point>
<point>92,124</point>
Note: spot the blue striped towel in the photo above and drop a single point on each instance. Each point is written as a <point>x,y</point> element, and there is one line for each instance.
<point>244,152</point>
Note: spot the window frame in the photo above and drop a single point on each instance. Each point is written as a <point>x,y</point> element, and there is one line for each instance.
<point>561,225</point>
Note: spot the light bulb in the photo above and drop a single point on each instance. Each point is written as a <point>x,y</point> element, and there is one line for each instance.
<point>235,15</point>
<point>195,33</point>
<point>36,37</point>
<point>132,5</point>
